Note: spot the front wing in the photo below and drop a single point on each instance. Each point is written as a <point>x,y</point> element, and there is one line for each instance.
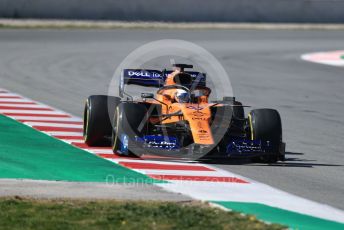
<point>168,144</point>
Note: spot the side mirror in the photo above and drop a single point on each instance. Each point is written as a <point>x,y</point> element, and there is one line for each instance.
<point>229,99</point>
<point>147,95</point>
<point>197,93</point>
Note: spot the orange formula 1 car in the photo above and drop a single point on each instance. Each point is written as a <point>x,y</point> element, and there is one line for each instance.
<point>179,120</point>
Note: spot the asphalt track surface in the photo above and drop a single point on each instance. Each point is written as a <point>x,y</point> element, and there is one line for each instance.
<point>62,67</point>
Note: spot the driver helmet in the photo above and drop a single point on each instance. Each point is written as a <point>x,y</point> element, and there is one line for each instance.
<point>182,96</point>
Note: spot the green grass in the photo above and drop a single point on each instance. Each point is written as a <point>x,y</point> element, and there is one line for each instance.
<point>26,153</point>
<point>18,213</point>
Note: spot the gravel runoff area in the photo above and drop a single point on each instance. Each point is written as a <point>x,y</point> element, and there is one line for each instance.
<point>86,190</point>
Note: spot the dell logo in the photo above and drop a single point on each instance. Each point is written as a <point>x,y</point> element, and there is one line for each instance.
<point>138,74</point>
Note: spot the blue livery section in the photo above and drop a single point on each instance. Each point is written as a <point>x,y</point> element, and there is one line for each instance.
<point>145,77</point>
<point>155,78</point>
<point>158,141</point>
<point>244,147</point>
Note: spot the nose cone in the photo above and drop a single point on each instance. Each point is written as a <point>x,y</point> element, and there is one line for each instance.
<point>198,117</point>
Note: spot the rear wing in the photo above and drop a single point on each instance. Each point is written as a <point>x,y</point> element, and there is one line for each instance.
<point>154,78</point>
<point>145,77</point>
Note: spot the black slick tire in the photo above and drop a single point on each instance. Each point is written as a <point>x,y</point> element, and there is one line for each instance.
<point>130,121</point>
<point>266,125</point>
<point>98,114</point>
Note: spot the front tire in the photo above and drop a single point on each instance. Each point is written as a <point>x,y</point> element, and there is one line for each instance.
<point>266,125</point>
<point>130,121</point>
<point>97,128</point>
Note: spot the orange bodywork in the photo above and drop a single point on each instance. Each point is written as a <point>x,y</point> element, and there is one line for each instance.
<point>197,114</point>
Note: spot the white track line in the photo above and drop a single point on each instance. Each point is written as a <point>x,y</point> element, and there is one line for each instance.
<point>331,62</point>
<point>14,100</point>
<point>99,150</point>
<point>162,162</point>
<point>38,106</point>
<point>182,172</point>
<point>53,125</point>
<point>70,141</point>
<point>31,112</point>
<point>23,117</point>
<point>333,58</point>
<point>63,133</point>
<point>9,94</point>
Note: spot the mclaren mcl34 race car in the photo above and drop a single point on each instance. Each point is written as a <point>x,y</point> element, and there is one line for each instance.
<point>179,120</point>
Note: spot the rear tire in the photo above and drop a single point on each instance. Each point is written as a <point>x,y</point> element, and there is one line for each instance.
<point>129,121</point>
<point>266,125</point>
<point>98,112</point>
